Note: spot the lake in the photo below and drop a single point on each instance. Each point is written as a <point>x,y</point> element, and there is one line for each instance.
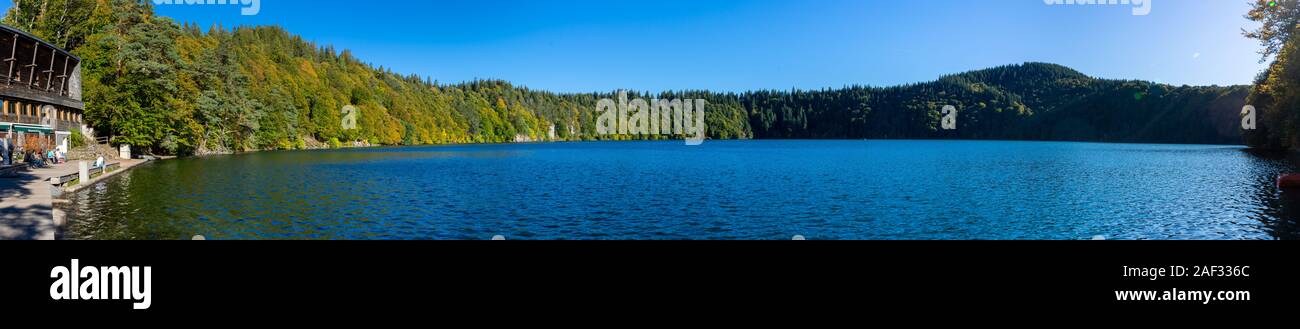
<point>720,190</point>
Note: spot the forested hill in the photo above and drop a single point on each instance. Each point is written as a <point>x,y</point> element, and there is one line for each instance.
<point>1033,101</point>
<point>181,89</point>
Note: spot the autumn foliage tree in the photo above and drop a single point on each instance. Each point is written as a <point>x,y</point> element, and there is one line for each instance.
<point>175,88</point>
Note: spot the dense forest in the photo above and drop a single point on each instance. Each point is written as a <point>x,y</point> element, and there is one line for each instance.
<point>172,88</point>
<point>1276,93</point>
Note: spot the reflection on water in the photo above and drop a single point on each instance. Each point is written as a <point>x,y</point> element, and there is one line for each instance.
<point>1281,209</point>
<point>721,190</point>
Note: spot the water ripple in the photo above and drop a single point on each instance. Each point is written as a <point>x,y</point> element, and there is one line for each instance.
<point>721,190</point>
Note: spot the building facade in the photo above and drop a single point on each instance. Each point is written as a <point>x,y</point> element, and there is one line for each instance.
<point>40,87</point>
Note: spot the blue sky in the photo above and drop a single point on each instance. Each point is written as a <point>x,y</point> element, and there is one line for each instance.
<point>736,45</point>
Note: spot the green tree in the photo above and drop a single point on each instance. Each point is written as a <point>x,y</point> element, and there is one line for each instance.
<point>130,74</point>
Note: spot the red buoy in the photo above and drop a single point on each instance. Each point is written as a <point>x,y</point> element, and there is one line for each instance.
<point>1288,181</point>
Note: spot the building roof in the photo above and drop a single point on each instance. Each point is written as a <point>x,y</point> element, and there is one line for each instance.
<point>69,93</point>
<point>11,29</point>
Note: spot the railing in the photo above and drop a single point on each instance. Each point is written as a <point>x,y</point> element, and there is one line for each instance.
<point>69,125</point>
<point>34,120</point>
<point>39,86</point>
<point>92,172</point>
<point>25,119</point>
<point>65,179</point>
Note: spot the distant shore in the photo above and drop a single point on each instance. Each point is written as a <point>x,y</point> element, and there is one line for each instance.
<point>378,146</point>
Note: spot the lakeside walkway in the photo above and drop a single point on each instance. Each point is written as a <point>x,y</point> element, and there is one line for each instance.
<point>27,205</point>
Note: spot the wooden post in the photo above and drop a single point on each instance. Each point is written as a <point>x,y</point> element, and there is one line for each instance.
<point>63,79</point>
<point>31,76</point>
<point>49,72</point>
<point>13,59</point>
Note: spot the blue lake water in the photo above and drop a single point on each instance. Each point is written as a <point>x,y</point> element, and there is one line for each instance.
<point>720,190</point>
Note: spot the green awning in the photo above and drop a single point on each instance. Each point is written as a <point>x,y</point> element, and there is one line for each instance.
<point>22,128</point>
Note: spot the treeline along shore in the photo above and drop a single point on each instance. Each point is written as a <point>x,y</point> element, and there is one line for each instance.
<point>178,89</point>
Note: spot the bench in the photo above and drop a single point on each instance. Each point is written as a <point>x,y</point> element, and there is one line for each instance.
<point>65,179</point>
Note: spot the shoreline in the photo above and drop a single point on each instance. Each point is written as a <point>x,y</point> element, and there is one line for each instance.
<point>1242,145</point>
<point>124,166</point>
<point>60,217</point>
<point>29,199</point>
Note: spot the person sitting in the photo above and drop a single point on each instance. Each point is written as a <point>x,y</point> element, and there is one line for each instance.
<point>34,160</point>
<point>50,156</point>
<point>99,162</point>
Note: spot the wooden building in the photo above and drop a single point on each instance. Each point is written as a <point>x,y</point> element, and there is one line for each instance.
<point>40,87</point>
